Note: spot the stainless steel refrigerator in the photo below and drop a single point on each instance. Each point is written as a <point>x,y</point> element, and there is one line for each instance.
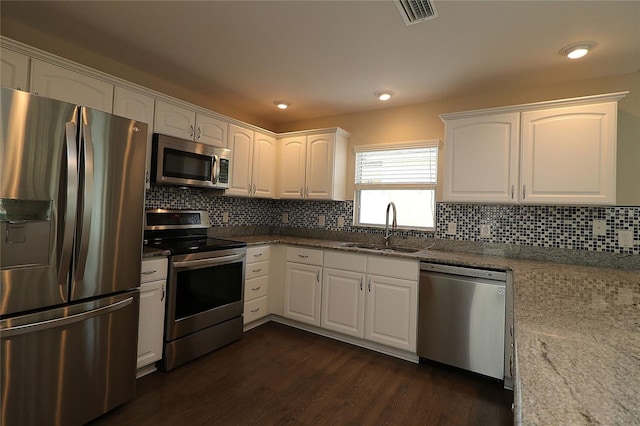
<point>71,212</point>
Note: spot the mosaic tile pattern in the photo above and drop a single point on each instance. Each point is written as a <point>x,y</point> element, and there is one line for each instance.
<point>541,226</point>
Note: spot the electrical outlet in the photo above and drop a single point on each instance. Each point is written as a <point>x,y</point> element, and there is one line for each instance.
<point>321,220</point>
<point>285,217</point>
<point>599,228</point>
<point>485,231</point>
<point>625,238</point>
<point>452,228</point>
<point>340,221</point>
<point>225,217</point>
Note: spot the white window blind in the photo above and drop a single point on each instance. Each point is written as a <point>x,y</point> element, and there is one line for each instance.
<point>405,167</point>
<point>405,174</point>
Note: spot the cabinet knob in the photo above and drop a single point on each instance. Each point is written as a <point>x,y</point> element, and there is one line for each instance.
<point>199,132</point>
<point>513,188</point>
<point>257,270</point>
<point>255,288</point>
<point>257,255</point>
<point>524,191</point>
<point>301,191</point>
<point>191,130</point>
<point>148,272</point>
<point>163,293</point>
<point>255,310</point>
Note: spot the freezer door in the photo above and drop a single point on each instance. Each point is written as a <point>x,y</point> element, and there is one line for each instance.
<point>69,365</point>
<point>38,187</point>
<point>110,205</point>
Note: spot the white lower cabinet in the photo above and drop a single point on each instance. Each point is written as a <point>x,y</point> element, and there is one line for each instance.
<point>152,307</point>
<point>380,305</point>
<point>303,283</point>
<point>256,283</point>
<point>391,313</point>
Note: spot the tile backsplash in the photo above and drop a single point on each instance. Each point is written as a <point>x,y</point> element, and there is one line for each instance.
<point>566,227</point>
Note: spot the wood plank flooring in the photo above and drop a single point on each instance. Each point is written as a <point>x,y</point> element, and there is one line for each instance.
<point>278,375</point>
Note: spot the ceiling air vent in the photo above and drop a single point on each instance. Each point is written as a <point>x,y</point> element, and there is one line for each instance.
<point>414,11</point>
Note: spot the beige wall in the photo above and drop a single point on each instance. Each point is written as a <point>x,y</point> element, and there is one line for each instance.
<point>421,122</point>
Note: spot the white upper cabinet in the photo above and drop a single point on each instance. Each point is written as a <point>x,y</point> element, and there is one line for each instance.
<point>241,146</point>
<point>314,165</point>
<point>60,83</point>
<point>136,106</point>
<point>557,152</point>
<point>211,130</point>
<point>173,120</point>
<point>293,155</point>
<point>265,160</point>
<point>14,70</point>
<point>569,155</point>
<point>481,159</point>
<point>179,122</point>
<point>253,163</point>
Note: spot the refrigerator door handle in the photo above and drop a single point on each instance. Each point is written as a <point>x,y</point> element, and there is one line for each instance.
<point>60,322</point>
<point>68,221</point>
<point>86,206</point>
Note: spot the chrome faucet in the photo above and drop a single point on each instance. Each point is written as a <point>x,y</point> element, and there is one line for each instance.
<point>394,224</point>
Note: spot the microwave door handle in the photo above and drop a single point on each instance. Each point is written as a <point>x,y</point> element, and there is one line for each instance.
<point>215,169</point>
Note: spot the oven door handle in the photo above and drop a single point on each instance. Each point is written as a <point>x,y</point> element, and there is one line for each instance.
<point>208,262</point>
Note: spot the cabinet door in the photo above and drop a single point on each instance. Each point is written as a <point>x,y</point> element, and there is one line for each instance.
<point>343,302</point>
<point>569,155</point>
<point>319,166</point>
<point>69,86</point>
<point>264,166</point>
<point>136,106</point>
<point>151,323</point>
<point>211,131</point>
<point>173,120</point>
<point>391,312</point>
<point>241,146</point>
<point>14,71</point>
<point>293,154</point>
<point>481,159</point>
<point>302,293</point>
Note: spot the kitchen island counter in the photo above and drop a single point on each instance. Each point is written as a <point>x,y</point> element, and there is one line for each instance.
<point>577,333</point>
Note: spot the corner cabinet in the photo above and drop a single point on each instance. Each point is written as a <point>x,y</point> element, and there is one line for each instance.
<point>152,308</point>
<point>556,152</point>
<point>313,164</point>
<point>253,165</point>
<point>14,70</point>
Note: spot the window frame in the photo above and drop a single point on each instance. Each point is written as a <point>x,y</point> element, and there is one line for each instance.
<point>431,143</point>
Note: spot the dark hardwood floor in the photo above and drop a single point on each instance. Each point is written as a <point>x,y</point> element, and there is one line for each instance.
<point>281,375</point>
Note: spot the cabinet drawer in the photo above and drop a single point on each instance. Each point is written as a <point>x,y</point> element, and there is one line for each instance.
<point>258,254</point>
<point>252,270</point>
<point>304,255</point>
<point>256,287</point>
<point>394,268</point>
<point>345,261</point>
<point>255,309</point>
<point>153,270</point>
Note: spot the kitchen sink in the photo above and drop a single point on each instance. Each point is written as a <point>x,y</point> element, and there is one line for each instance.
<point>377,247</point>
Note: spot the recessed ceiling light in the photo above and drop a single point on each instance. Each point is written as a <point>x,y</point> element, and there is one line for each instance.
<point>384,95</point>
<point>282,104</point>
<point>577,50</point>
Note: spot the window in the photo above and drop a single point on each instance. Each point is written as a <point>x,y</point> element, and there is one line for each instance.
<point>405,174</point>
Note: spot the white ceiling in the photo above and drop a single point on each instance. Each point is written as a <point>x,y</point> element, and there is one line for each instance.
<point>329,57</point>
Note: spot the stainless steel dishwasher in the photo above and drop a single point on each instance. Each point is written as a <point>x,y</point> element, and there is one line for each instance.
<point>461,317</point>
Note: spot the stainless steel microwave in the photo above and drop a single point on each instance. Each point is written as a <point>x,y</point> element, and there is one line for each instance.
<point>182,162</point>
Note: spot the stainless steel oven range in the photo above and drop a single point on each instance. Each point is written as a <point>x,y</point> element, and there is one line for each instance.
<point>205,291</point>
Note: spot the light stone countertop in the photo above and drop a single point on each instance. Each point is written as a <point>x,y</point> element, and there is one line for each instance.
<point>577,331</point>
